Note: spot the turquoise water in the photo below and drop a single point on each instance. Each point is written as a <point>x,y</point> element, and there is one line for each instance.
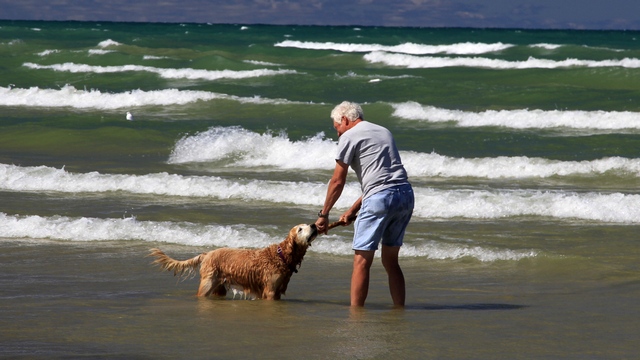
<point>521,146</point>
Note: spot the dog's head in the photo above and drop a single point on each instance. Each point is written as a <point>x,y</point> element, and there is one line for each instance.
<point>303,234</point>
<point>293,248</point>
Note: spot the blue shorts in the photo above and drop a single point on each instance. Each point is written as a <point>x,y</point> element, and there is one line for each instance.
<point>383,217</point>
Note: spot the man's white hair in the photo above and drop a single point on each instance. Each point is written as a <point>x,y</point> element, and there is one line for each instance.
<point>351,110</point>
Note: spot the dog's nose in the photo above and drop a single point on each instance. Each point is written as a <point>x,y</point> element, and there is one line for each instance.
<point>313,226</point>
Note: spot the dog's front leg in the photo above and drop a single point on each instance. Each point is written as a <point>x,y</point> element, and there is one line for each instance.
<point>272,290</point>
<point>270,295</point>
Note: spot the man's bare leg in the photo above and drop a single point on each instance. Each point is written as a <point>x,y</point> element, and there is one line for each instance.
<point>396,277</point>
<point>362,261</point>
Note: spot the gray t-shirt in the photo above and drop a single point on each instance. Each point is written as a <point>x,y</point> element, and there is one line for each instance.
<point>372,153</point>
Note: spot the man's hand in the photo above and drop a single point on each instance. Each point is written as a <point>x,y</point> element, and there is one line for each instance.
<point>347,218</point>
<point>321,225</point>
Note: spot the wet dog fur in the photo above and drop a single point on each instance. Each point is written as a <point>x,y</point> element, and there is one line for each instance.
<point>260,273</point>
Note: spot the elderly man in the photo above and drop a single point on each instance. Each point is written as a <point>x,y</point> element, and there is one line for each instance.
<point>385,206</point>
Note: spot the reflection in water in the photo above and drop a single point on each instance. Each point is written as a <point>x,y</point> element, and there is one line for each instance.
<point>369,333</point>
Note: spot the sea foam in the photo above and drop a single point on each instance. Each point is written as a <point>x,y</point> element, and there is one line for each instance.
<point>430,203</point>
<point>521,119</point>
<point>514,167</point>
<point>465,48</point>
<point>48,52</point>
<point>167,73</point>
<point>414,62</point>
<point>44,178</point>
<point>108,43</point>
<point>500,204</point>
<point>238,147</point>
<point>84,229</point>
<point>96,229</point>
<point>69,96</point>
<point>244,148</point>
<point>546,46</point>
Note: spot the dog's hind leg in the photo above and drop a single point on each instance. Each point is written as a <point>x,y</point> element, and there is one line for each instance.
<point>205,287</point>
<point>211,285</point>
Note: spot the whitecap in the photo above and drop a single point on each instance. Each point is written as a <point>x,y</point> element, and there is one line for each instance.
<point>44,178</point>
<point>89,229</point>
<point>406,48</point>
<point>153,57</point>
<point>69,96</point>
<point>501,204</point>
<point>415,62</point>
<point>116,229</point>
<point>245,148</point>
<point>431,203</point>
<point>107,43</point>
<point>48,52</point>
<point>99,52</point>
<point>516,167</point>
<point>260,63</point>
<point>546,46</point>
<point>167,73</point>
<point>439,251</point>
<point>238,147</point>
<point>522,118</point>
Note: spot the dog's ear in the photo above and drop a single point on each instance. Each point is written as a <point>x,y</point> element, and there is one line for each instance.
<point>290,236</point>
<point>289,242</point>
<point>293,234</point>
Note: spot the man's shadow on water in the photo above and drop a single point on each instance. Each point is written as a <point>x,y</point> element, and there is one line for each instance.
<point>474,307</point>
<point>428,307</point>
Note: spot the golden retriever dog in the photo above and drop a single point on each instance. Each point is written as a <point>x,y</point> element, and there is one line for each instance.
<point>260,273</point>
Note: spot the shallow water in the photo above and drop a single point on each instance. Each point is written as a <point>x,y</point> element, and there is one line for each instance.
<point>62,300</point>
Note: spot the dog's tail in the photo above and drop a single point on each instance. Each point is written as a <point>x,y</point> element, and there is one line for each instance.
<point>178,267</point>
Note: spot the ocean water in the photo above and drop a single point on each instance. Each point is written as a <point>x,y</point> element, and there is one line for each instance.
<point>522,147</point>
